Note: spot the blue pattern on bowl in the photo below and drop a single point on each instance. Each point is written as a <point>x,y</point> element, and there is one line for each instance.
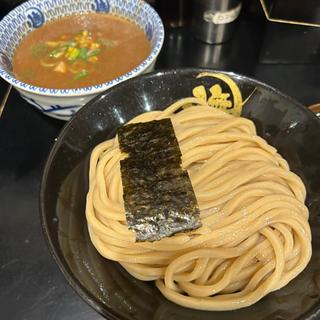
<point>101,6</point>
<point>35,17</point>
<point>32,14</point>
<point>68,111</point>
<point>148,30</point>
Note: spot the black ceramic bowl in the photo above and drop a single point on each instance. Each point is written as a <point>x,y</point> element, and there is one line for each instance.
<point>103,284</point>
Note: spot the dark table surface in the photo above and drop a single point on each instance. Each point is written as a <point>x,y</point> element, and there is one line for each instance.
<point>31,286</point>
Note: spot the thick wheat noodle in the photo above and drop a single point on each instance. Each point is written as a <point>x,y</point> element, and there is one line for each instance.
<point>255,235</point>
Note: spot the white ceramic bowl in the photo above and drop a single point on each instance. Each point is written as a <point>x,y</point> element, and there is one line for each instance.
<point>63,103</point>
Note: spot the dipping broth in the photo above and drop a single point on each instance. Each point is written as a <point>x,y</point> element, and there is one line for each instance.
<point>80,50</point>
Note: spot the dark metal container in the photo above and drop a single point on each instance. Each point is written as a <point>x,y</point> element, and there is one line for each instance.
<point>214,20</point>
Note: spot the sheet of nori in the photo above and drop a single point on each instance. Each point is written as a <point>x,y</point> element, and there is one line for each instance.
<point>158,196</point>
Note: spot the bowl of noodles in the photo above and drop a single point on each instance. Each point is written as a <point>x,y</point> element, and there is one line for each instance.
<point>244,241</point>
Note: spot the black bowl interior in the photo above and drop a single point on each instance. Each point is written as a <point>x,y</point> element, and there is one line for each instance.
<point>104,284</point>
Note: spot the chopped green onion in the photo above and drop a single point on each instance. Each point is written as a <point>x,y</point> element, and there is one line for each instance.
<point>82,74</point>
<point>83,53</point>
<point>93,53</point>
<point>56,53</point>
